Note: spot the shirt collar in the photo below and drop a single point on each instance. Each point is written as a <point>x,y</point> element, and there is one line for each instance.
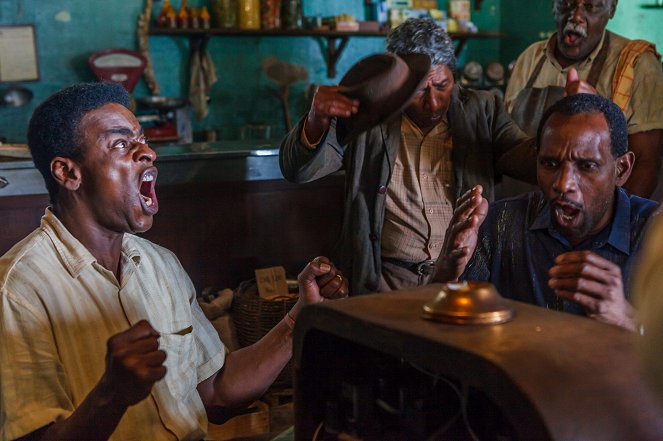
<point>408,125</point>
<point>550,53</point>
<point>75,257</point>
<point>620,226</point>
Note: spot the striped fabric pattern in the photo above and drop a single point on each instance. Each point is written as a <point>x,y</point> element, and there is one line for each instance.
<point>58,307</point>
<point>625,72</point>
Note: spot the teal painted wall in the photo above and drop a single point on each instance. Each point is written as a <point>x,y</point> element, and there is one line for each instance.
<point>68,31</point>
<point>633,21</point>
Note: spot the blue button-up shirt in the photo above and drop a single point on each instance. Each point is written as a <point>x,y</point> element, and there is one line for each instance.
<point>518,244</point>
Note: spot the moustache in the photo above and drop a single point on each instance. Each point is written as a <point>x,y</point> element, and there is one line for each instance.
<point>562,200</point>
<point>576,28</point>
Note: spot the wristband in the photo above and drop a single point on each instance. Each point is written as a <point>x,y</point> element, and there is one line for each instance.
<point>289,321</point>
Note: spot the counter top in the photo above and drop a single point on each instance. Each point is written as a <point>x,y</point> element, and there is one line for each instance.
<point>206,162</point>
<point>196,150</point>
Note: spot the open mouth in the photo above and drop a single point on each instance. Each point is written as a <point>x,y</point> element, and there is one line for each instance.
<point>566,213</point>
<point>147,193</point>
<point>574,33</point>
<point>572,38</point>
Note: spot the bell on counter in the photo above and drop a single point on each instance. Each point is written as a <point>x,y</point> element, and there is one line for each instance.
<point>469,303</point>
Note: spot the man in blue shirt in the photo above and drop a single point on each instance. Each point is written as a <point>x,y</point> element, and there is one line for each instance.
<point>570,246</point>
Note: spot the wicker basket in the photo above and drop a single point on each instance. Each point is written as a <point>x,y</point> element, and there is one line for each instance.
<point>254,317</point>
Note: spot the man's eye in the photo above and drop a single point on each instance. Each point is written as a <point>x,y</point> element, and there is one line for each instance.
<point>121,144</point>
<point>588,165</point>
<point>548,163</point>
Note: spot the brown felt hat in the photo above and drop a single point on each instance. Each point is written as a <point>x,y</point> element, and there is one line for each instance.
<point>384,84</point>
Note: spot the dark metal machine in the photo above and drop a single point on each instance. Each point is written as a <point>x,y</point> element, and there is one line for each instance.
<point>370,368</point>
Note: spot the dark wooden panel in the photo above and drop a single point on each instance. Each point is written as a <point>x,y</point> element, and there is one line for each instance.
<point>221,232</point>
<point>19,215</point>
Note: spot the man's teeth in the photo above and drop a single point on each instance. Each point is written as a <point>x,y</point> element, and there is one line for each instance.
<point>148,200</point>
<point>148,178</point>
<point>566,217</point>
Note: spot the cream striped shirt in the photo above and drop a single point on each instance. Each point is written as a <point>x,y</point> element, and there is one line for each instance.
<point>58,307</point>
<point>419,205</point>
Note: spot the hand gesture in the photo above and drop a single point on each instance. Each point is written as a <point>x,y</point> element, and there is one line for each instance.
<point>134,363</point>
<point>594,283</point>
<point>462,234</point>
<point>574,85</point>
<point>321,280</point>
<point>328,102</point>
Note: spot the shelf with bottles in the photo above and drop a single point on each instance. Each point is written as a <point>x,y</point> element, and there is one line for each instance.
<point>336,40</point>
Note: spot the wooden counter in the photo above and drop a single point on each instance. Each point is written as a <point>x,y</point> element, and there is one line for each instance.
<point>224,210</point>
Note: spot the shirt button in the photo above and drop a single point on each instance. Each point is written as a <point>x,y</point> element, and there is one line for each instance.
<point>430,211</point>
<point>382,189</point>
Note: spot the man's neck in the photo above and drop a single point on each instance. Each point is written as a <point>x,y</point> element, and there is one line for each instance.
<point>104,245</point>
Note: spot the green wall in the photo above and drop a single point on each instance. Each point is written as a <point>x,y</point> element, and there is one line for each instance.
<point>68,31</point>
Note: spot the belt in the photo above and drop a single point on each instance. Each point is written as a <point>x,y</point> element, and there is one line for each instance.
<point>425,267</point>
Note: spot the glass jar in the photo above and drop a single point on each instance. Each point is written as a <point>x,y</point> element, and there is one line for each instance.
<point>291,14</point>
<point>225,13</point>
<point>249,14</point>
<point>270,14</point>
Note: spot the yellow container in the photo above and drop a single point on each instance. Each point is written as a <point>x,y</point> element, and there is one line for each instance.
<point>249,14</point>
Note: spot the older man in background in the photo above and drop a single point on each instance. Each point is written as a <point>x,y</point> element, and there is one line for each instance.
<point>404,175</point>
<point>582,56</point>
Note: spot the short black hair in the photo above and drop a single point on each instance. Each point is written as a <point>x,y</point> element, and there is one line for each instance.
<point>53,128</point>
<point>423,36</point>
<point>588,103</point>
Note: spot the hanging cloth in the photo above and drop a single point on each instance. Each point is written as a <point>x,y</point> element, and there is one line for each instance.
<point>625,71</point>
<point>202,78</point>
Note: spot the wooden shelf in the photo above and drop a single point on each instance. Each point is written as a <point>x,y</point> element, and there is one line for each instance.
<point>336,40</point>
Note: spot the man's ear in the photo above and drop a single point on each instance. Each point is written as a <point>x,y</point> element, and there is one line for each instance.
<point>66,172</point>
<point>624,167</point>
<point>613,7</point>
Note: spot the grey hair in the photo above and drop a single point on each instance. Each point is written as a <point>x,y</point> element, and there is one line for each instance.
<point>422,36</point>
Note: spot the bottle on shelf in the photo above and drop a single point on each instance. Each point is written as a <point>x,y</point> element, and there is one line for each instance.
<point>194,18</point>
<point>205,18</point>
<point>183,15</point>
<point>162,18</point>
<point>171,18</point>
